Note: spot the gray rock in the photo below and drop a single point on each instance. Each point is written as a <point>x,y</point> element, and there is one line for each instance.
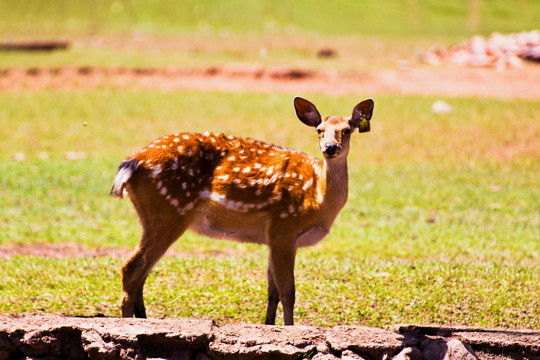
<point>240,341</point>
<point>102,338</point>
<point>349,355</point>
<point>433,349</point>
<point>320,356</point>
<point>55,337</point>
<point>459,351</point>
<point>524,340</point>
<point>359,339</point>
<point>323,348</point>
<point>409,353</point>
<point>97,348</point>
<point>439,349</point>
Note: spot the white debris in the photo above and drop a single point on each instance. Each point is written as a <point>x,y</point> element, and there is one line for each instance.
<point>18,156</point>
<point>76,155</point>
<point>498,51</point>
<point>441,107</point>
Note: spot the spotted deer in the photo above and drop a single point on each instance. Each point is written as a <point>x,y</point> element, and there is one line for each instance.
<point>240,189</point>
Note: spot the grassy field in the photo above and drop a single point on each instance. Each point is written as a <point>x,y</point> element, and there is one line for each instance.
<point>415,18</point>
<point>442,224</point>
<point>443,220</point>
<point>366,33</point>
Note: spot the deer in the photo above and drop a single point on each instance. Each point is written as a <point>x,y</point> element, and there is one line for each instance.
<point>228,187</point>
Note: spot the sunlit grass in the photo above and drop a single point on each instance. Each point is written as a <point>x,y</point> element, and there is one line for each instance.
<point>204,33</point>
<point>442,223</point>
<point>331,290</point>
<point>388,19</point>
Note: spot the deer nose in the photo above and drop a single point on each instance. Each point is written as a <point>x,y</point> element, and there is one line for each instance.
<point>331,149</point>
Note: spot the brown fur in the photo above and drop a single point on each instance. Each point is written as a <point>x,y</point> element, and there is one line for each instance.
<point>240,189</point>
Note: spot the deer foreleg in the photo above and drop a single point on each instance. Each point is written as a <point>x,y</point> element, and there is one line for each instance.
<point>282,266</point>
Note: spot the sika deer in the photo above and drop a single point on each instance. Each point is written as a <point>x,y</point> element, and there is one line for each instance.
<point>240,189</point>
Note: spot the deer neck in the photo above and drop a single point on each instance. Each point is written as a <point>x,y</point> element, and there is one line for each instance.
<point>334,186</point>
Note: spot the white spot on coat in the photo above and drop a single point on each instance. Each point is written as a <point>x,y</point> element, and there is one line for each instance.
<point>307,184</point>
<point>156,171</point>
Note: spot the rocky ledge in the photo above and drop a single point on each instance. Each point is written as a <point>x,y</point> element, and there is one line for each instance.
<point>60,337</point>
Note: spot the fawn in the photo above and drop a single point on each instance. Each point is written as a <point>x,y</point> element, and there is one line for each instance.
<point>240,189</point>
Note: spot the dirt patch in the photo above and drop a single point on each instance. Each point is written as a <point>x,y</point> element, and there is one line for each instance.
<point>58,251</point>
<point>444,81</point>
<point>64,250</point>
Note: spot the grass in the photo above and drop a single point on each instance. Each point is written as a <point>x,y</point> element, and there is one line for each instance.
<point>442,224</point>
<point>369,17</point>
<point>435,231</point>
<point>191,33</point>
<point>331,290</point>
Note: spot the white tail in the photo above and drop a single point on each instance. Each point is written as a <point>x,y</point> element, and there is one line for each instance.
<point>240,189</point>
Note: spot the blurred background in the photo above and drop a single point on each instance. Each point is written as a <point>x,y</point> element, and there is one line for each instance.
<point>408,18</point>
<point>368,30</point>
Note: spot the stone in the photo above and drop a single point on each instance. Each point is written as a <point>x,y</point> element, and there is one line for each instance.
<point>458,351</point>
<point>409,353</point>
<point>243,341</point>
<point>372,341</point>
<point>104,338</point>
<point>54,337</point>
<point>320,356</point>
<point>323,348</point>
<point>349,355</point>
<point>97,348</point>
<point>524,340</point>
<point>453,349</point>
<point>433,349</point>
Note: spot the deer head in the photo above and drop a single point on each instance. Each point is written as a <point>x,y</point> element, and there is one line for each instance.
<point>334,131</point>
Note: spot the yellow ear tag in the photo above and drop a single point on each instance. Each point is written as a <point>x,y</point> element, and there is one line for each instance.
<point>363,125</point>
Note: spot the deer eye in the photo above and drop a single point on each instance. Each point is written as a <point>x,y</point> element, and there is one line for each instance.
<point>347,131</point>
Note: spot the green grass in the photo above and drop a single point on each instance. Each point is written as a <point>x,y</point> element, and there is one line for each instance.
<point>369,17</point>
<point>331,290</point>
<point>442,224</point>
<point>365,34</point>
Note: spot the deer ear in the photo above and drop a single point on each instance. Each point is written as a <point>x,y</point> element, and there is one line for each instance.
<point>307,112</point>
<point>362,115</point>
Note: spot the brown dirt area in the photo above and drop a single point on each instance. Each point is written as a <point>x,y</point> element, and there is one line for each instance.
<point>422,80</point>
<point>63,250</point>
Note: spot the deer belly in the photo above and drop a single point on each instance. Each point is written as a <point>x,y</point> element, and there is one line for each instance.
<point>230,225</point>
<point>311,236</point>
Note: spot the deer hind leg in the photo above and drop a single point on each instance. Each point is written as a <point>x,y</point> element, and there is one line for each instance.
<point>282,268</point>
<point>273,296</point>
<point>162,225</point>
<point>136,268</point>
